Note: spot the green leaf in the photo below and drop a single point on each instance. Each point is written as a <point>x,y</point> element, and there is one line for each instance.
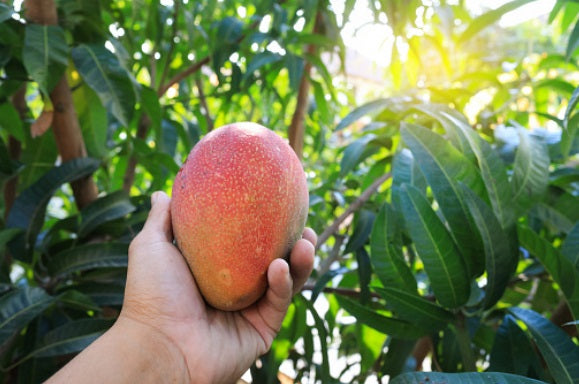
<point>570,247</point>
<point>6,235</point>
<point>560,268</point>
<point>103,72</point>
<point>260,60</point>
<point>362,228</point>
<point>573,42</point>
<point>530,172</point>
<point>295,67</point>
<point>20,307</point>
<point>489,18</point>
<point>387,325</point>
<point>75,299</point>
<point>462,378</point>
<point>102,294</point>
<point>355,153</point>
<point>416,309</point>
<point>107,208</point>
<point>572,101</point>
<point>500,258</point>
<point>492,170</point>
<point>387,257</point>
<point>72,337</point>
<point>558,350</point>
<point>442,260</point>
<point>45,55</point>
<point>11,122</point>
<point>5,12</point>
<point>366,109</point>
<point>512,351</point>
<point>92,116</point>
<point>229,30</point>
<point>30,206</point>
<point>89,256</point>
<point>443,167</point>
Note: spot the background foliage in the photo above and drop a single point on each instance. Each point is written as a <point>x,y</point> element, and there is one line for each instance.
<point>446,197</point>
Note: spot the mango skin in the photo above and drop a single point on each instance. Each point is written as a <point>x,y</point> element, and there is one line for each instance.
<point>239,202</point>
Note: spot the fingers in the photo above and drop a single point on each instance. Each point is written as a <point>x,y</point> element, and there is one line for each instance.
<point>302,259</point>
<point>158,225</point>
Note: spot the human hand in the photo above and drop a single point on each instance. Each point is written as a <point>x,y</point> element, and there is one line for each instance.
<point>161,296</point>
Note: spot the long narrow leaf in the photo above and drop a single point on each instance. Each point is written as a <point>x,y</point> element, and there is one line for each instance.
<point>366,109</point>
<point>531,171</point>
<point>493,172</point>
<point>387,325</point>
<point>19,308</point>
<point>462,378</point>
<point>82,258</point>
<point>415,309</point>
<point>107,208</point>
<point>386,257</point>
<point>72,337</point>
<point>444,166</point>
<point>512,351</point>
<point>500,260</point>
<point>442,260</point>
<point>103,72</point>
<point>573,42</point>
<point>45,54</point>
<point>559,352</point>
<point>29,208</point>
<point>489,18</point>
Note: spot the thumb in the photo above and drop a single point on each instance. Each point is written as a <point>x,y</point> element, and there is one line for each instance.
<point>158,225</point>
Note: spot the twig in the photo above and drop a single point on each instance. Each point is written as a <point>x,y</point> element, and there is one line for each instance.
<point>357,204</point>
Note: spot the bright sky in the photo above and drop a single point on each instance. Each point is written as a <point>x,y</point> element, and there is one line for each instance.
<point>372,40</point>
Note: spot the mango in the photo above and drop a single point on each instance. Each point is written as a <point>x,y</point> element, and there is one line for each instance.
<point>239,201</point>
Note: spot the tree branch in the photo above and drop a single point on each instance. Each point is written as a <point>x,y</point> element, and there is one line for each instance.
<point>65,126</point>
<point>296,130</point>
<point>357,204</point>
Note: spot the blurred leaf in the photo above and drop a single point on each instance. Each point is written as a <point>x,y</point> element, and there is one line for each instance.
<point>71,337</point>
<point>260,60</point>
<point>387,325</point>
<point>78,300</point>
<point>573,42</point>
<point>11,121</point>
<point>362,229</point>
<point>20,307</point>
<point>416,309</point>
<point>462,378</point>
<point>151,105</point>
<point>366,109</point>
<point>229,30</point>
<point>560,268</point>
<point>530,172</point>
<point>489,18</point>
<point>570,247</point>
<point>442,260</point>
<point>572,102</point>
<point>443,167</point>
<point>355,153</point>
<point>398,358</point>
<point>325,279</point>
<point>500,261</point>
<point>89,256</point>
<point>30,205</point>
<point>45,55</point>
<point>107,208</point>
<point>5,12</point>
<point>6,235</point>
<point>103,72</point>
<point>323,336</point>
<point>387,258</point>
<point>102,294</point>
<point>558,350</point>
<point>364,273</point>
<point>295,67</point>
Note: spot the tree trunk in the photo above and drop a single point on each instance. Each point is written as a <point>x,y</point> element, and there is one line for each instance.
<point>65,126</point>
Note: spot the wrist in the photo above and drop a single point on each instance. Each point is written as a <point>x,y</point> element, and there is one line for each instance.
<point>151,353</point>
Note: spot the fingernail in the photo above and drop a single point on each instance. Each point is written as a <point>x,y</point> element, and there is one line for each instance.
<point>155,197</point>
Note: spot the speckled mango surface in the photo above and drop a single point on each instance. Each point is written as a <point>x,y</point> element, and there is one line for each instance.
<point>239,201</point>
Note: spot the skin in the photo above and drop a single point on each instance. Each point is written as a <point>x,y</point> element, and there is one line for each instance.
<point>167,334</point>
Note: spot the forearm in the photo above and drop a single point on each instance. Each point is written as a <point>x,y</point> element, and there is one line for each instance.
<point>130,352</point>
